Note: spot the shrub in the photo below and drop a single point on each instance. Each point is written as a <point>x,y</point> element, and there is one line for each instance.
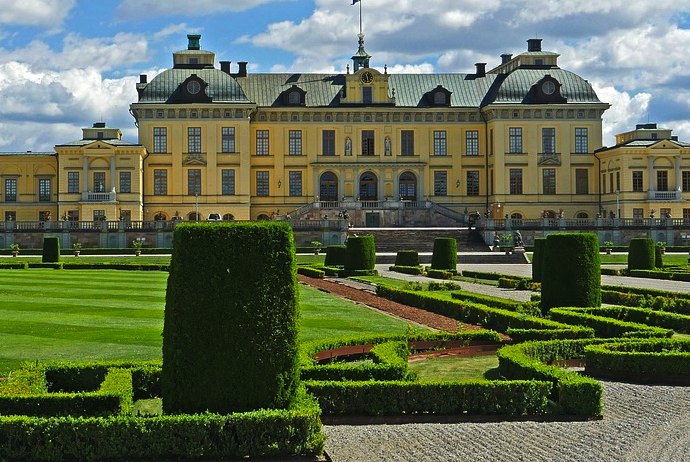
<point>361,253</point>
<point>51,250</point>
<point>571,273</point>
<point>416,270</point>
<point>538,258</point>
<point>439,274</point>
<point>658,259</point>
<point>603,326</point>
<point>445,255</point>
<point>311,272</point>
<point>641,254</point>
<point>335,255</point>
<point>231,346</point>
<point>407,258</point>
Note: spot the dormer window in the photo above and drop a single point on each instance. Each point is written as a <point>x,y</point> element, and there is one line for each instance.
<point>546,90</point>
<point>439,96</point>
<point>294,96</point>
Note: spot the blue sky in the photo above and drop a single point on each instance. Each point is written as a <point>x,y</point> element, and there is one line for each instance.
<point>65,64</point>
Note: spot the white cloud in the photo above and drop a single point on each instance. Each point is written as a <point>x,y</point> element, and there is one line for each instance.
<point>625,112</point>
<point>44,13</point>
<point>136,9</point>
<point>174,29</point>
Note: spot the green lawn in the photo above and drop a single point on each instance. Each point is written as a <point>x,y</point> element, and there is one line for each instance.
<point>453,367</point>
<point>108,314</point>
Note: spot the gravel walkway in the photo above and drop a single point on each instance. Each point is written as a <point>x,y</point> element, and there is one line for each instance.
<point>641,423</point>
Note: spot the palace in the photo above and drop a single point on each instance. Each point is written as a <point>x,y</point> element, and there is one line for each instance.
<point>522,140</point>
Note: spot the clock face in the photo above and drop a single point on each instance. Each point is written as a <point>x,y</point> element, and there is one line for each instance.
<point>367,77</point>
<point>548,87</point>
<point>193,87</point>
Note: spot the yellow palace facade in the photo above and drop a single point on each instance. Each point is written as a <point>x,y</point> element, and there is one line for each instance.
<point>520,140</point>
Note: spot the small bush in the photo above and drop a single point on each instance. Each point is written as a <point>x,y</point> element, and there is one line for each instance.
<point>445,255</point>
<point>407,258</point>
<point>538,258</point>
<point>51,250</point>
<point>335,255</point>
<point>360,254</point>
<point>311,272</point>
<point>641,254</point>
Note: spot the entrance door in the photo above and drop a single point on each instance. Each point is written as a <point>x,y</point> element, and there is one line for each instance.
<point>372,220</point>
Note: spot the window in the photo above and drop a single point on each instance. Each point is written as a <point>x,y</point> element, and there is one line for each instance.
<point>295,142</point>
<point>581,140</point>
<point>160,182</point>
<point>611,182</point>
<point>368,142</point>
<point>194,140</point>
<point>440,143</point>
<point>638,214</point>
<point>262,183</point>
<point>367,95</point>
<point>294,97</point>
<point>73,182</point>
<point>686,180</point>
<point>473,183</point>
<point>295,183</point>
<point>548,140</point>
<point>99,215</point>
<point>407,143</point>
<point>227,180</point>
<point>407,186</point>
<point>515,181</point>
<point>99,181</point>
<point>549,180</point>
<point>440,183</point>
<point>194,182</point>
<point>10,190</point>
<point>44,189</point>
<point>440,98</point>
<point>262,143</point>
<point>637,181</point>
<point>515,140</point>
<point>472,142</point>
<point>160,139</point>
<point>328,143</point>
<point>618,181</point>
<point>686,216</point>
<point>228,139</point>
<point>125,182</point>
<point>581,181</point>
<point>662,180</point>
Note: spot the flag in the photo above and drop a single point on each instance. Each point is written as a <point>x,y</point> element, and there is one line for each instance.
<point>355,1</point>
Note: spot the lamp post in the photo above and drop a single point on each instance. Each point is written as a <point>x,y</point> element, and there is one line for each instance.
<point>618,205</point>
<point>196,196</point>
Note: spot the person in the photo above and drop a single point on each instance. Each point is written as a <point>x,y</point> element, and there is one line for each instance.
<point>517,237</point>
<point>497,241</point>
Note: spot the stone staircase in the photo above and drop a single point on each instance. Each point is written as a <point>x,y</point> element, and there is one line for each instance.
<point>421,239</point>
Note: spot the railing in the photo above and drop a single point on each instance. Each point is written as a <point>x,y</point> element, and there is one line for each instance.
<point>584,223</point>
<point>665,195</point>
<point>99,196</point>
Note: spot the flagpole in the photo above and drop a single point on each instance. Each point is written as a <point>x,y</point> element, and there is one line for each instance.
<point>360,17</point>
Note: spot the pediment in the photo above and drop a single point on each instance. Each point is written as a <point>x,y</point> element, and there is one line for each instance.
<point>665,144</point>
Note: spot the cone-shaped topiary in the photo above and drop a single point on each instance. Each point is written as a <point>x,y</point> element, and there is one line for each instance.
<point>571,275</point>
<point>361,253</point>
<point>407,258</point>
<point>335,255</point>
<point>51,250</point>
<point>445,256</point>
<point>641,253</point>
<point>230,327</point>
<point>538,258</point>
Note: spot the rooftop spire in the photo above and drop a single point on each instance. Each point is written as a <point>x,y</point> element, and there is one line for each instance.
<point>361,58</point>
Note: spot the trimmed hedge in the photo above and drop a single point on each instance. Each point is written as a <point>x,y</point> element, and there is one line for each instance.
<point>604,327</point>
<point>538,258</point>
<point>677,322</point>
<point>641,254</point>
<point>230,327</point>
<point>407,258</point>
<point>571,273</point>
<point>445,254</point>
<point>514,398</point>
<point>655,361</point>
<point>51,250</point>
<point>311,272</point>
<point>439,274</point>
<point>360,254</point>
<point>493,302</point>
<point>574,332</point>
<point>335,255</point>
<point>664,301</point>
<point>415,270</point>
<point>574,393</point>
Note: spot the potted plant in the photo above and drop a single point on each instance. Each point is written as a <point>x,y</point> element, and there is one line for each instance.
<point>506,243</point>
<point>608,246</point>
<point>137,244</point>
<point>77,248</point>
<point>662,247</point>
<point>15,249</point>
<point>316,245</point>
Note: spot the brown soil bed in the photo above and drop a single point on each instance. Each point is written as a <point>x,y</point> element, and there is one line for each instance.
<point>416,315</point>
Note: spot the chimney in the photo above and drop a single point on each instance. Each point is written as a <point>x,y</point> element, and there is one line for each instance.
<point>505,57</point>
<point>243,69</point>
<point>193,41</point>
<point>225,66</point>
<point>99,125</point>
<point>143,78</point>
<point>480,69</point>
<point>534,45</point>
<point>645,126</point>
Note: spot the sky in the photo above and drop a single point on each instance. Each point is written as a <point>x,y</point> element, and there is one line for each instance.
<point>65,64</point>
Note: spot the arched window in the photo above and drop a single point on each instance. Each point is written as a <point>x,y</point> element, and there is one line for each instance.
<point>228,217</point>
<point>582,215</point>
<point>368,187</point>
<point>328,187</point>
<point>516,218</point>
<point>160,216</point>
<point>407,186</point>
<point>263,217</point>
<point>193,216</point>
<point>294,97</point>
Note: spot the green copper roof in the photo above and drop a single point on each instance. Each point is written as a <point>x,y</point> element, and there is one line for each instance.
<point>266,89</point>
<point>467,91</point>
<point>513,87</point>
<point>221,86</point>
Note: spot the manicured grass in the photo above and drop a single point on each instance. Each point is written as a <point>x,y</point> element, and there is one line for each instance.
<point>454,367</point>
<point>82,315</point>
